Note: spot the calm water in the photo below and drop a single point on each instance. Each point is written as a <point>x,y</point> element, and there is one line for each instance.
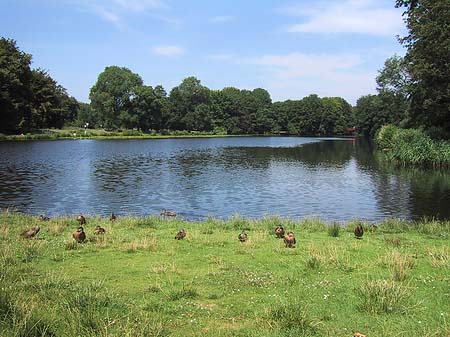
<point>336,179</point>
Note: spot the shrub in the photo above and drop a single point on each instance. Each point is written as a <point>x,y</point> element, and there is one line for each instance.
<point>293,316</point>
<point>381,296</point>
<point>334,229</point>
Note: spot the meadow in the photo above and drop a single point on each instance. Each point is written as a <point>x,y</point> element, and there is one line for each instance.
<point>137,280</point>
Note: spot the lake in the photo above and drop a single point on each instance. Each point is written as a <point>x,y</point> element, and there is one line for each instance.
<point>297,177</point>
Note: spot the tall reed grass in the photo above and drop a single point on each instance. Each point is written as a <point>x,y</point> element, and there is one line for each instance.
<point>412,147</point>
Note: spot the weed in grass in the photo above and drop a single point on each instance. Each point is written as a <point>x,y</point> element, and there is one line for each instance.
<point>184,292</point>
<point>399,265</point>
<point>6,305</point>
<point>433,227</point>
<point>334,229</point>
<point>147,243</point>
<point>313,225</point>
<point>293,318</point>
<point>56,228</point>
<point>394,242</point>
<point>147,325</point>
<point>31,251</point>
<point>238,223</point>
<point>71,245</point>
<point>4,231</point>
<point>440,257</point>
<point>382,296</point>
<point>313,260</point>
<point>31,325</point>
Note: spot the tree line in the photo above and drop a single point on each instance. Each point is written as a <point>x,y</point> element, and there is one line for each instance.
<point>30,99</point>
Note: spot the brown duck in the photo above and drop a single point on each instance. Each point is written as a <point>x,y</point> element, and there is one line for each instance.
<point>289,240</point>
<point>112,217</point>
<point>359,231</point>
<point>167,213</point>
<point>243,237</point>
<point>279,232</point>
<point>181,234</point>
<point>31,232</point>
<point>99,230</point>
<point>81,219</point>
<point>79,235</point>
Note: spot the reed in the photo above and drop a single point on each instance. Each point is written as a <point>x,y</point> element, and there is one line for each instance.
<point>412,147</point>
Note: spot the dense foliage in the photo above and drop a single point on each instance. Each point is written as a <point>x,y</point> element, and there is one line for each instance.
<point>414,91</point>
<point>30,98</point>
<point>412,146</point>
<point>119,99</point>
<point>427,60</point>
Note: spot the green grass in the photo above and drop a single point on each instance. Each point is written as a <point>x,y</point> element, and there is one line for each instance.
<point>137,280</point>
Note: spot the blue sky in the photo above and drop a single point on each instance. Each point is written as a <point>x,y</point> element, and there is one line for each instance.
<point>290,48</point>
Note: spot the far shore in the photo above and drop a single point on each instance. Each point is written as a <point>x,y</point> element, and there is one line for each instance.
<point>80,133</point>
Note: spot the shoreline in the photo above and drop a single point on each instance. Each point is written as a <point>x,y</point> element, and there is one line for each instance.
<point>100,134</point>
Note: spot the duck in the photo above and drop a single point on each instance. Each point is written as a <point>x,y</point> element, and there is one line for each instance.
<point>279,232</point>
<point>358,334</point>
<point>181,234</point>
<point>289,240</point>
<point>79,235</point>
<point>359,231</point>
<point>43,218</point>
<point>81,219</point>
<point>31,232</point>
<point>99,230</point>
<point>112,217</point>
<point>243,236</point>
<point>167,213</point>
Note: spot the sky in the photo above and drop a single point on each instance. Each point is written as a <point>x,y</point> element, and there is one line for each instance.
<point>290,48</point>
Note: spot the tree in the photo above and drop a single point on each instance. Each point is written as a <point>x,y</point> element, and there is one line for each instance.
<point>112,94</point>
<point>50,104</point>
<point>146,108</point>
<point>371,113</point>
<point>15,88</point>
<point>337,116</point>
<point>427,59</point>
<point>184,99</point>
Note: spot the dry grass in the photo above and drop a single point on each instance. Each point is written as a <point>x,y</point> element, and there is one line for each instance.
<point>146,243</point>
<point>382,296</point>
<point>440,257</point>
<point>56,228</point>
<point>399,265</point>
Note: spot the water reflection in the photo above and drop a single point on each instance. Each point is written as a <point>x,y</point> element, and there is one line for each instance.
<point>295,177</point>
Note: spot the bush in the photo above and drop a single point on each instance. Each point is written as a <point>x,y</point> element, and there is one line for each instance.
<point>381,296</point>
<point>411,146</point>
<point>334,229</point>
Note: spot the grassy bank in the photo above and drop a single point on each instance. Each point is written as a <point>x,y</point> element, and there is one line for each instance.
<point>412,147</point>
<point>79,133</point>
<point>136,280</point>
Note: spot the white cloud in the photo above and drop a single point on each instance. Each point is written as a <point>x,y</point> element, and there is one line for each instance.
<point>222,19</point>
<point>298,64</point>
<point>108,15</point>
<point>140,5</point>
<point>168,50</point>
<point>350,16</point>
<point>115,11</point>
<point>296,75</point>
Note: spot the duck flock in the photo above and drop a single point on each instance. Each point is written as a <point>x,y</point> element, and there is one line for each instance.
<point>80,236</point>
